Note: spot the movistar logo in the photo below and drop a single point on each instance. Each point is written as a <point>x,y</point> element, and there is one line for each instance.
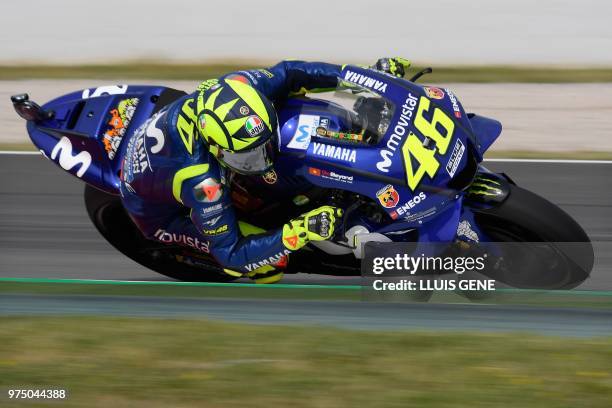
<point>366,81</point>
<point>386,161</point>
<point>193,242</point>
<point>67,161</point>
<point>399,131</point>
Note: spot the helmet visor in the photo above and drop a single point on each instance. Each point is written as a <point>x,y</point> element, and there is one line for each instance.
<point>255,161</point>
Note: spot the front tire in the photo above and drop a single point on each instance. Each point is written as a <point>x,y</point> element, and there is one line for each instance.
<point>555,243</point>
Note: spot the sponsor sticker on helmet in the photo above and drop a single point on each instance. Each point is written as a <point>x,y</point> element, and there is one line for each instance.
<point>388,196</point>
<point>240,78</point>
<point>244,110</point>
<point>202,121</point>
<point>254,125</point>
<point>270,177</point>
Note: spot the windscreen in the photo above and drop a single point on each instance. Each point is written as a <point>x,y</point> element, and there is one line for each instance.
<point>368,115</point>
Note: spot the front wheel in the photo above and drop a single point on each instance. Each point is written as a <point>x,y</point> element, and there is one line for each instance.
<point>549,251</point>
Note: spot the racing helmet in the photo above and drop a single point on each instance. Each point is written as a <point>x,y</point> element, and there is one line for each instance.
<point>239,124</point>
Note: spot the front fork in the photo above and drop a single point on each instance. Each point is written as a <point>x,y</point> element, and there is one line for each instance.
<point>488,190</point>
<point>458,222</point>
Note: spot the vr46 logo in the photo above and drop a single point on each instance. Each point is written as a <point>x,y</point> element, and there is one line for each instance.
<point>425,161</point>
<point>186,124</point>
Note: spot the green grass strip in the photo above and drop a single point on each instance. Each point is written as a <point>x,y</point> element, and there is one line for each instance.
<point>353,293</point>
<point>273,286</point>
<point>40,286</point>
<point>134,362</point>
<point>177,283</point>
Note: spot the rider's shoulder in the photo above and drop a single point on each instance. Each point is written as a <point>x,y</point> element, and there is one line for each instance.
<point>198,183</point>
<point>178,124</point>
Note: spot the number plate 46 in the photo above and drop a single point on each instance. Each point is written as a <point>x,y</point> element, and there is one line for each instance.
<point>435,125</point>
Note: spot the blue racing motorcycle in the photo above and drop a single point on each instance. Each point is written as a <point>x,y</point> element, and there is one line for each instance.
<point>403,160</point>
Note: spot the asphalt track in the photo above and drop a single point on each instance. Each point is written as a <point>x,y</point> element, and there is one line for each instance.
<point>45,233</point>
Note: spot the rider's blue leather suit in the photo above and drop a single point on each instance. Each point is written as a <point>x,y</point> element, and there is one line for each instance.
<point>175,190</point>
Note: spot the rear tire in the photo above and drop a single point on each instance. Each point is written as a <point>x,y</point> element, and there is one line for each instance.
<point>112,221</point>
<point>565,256</point>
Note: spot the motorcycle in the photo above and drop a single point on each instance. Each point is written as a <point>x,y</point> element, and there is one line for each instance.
<point>404,160</point>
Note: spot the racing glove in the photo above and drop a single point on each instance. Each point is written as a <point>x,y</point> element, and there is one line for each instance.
<point>316,225</point>
<point>396,66</point>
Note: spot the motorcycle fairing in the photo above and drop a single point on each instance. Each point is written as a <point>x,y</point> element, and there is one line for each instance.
<point>486,131</point>
<point>298,139</point>
<point>73,137</point>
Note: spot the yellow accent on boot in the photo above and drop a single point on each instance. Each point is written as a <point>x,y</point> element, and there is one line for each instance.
<point>270,279</point>
<point>233,273</point>
<point>266,274</point>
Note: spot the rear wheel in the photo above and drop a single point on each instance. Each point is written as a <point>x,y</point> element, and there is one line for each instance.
<point>551,252</point>
<point>110,218</point>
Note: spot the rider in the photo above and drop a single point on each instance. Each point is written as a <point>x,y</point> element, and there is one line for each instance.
<point>176,171</point>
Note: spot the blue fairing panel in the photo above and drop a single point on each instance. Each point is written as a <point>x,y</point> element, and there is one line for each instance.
<point>486,131</point>
<point>74,137</point>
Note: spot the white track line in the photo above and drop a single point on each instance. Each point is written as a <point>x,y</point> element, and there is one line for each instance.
<point>17,152</point>
<point>567,161</point>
